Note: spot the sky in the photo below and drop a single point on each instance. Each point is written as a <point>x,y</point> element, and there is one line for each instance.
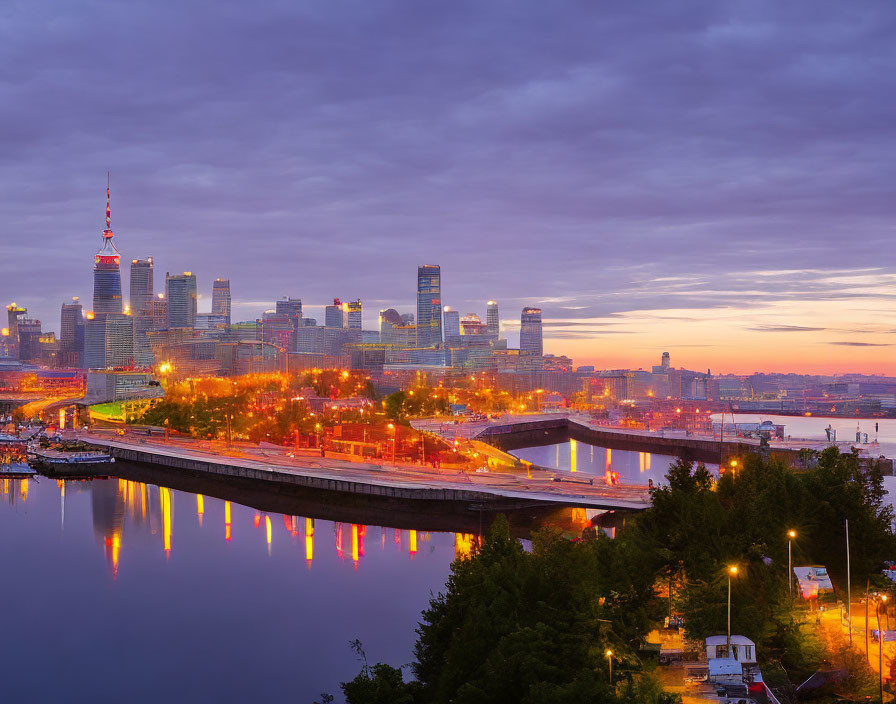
<point>713,178</point>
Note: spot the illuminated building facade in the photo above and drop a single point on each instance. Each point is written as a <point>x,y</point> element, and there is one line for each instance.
<point>180,291</point>
<point>109,341</point>
<point>106,270</point>
<point>159,312</point>
<point>452,326</point>
<point>221,299</point>
<point>71,335</point>
<point>29,334</point>
<point>530,332</point>
<point>492,319</point>
<point>429,305</point>
<point>333,315</point>
<point>141,286</point>
<point>352,314</point>
<point>14,313</point>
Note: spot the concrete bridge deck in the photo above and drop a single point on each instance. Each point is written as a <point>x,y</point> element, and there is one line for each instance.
<point>516,431</point>
<point>525,486</point>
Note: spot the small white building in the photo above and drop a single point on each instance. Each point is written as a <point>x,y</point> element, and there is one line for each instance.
<point>743,650</point>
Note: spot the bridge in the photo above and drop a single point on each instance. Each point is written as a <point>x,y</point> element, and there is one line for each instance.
<point>516,431</point>
<point>509,488</point>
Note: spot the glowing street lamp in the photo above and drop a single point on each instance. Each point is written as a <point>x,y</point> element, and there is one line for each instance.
<point>732,572</point>
<point>609,656</point>
<point>791,534</point>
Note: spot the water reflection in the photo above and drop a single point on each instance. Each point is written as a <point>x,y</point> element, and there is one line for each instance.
<point>613,466</point>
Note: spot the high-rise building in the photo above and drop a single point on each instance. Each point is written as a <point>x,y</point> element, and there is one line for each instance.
<point>333,315</point>
<point>429,305</point>
<point>29,334</point>
<point>71,334</point>
<point>221,299</point>
<point>492,320</point>
<point>530,332</point>
<point>291,309</point>
<point>159,312</point>
<point>352,314</point>
<point>14,314</point>
<point>452,326</point>
<point>108,340</point>
<point>141,286</point>
<point>471,324</point>
<point>106,271</point>
<point>666,361</point>
<point>180,290</point>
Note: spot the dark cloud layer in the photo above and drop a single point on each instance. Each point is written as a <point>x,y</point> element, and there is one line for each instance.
<point>595,158</point>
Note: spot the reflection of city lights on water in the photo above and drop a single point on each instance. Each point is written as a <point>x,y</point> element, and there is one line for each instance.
<point>339,551</point>
<point>355,545</point>
<point>309,540</point>
<point>412,542</point>
<point>226,520</point>
<point>463,545</point>
<point>165,501</point>
<point>200,507</point>
<point>23,489</point>
<point>573,456</point>
<point>267,530</point>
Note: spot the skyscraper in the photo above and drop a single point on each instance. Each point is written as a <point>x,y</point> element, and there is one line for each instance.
<point>221,299</point>
<point>180,291</point>
<point>106,271</point>
<point>429,305</point>
<point>492,320</point>
<point>352,312</point>
<point>108,341</point>
<point>141,286</point>
<point>452,326</point>
<point>333,315</point>
<point>14,314</point>
<point>71,334</point>
<point>530,332</point>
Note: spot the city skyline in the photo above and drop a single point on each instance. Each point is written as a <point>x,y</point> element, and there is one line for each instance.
<point>707,180</point>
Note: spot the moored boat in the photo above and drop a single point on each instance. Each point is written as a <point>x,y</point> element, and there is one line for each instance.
<point>61,462</point>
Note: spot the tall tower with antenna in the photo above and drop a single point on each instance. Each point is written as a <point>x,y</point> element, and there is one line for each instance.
<point>106,268</point>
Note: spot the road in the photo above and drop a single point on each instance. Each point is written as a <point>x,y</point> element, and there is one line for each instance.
<point>551,486</point>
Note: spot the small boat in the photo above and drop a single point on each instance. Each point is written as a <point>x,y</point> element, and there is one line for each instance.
<point>60,462</point>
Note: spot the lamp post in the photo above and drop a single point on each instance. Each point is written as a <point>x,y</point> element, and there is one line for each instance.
<point>732,572</point>
<point>609,655</point>
<point>880,647</point>
<point>391,427</point>
<point>791,534</point>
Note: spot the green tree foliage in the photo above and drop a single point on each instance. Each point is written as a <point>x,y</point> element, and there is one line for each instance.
<point>530,627</point>
<point>698,528</point>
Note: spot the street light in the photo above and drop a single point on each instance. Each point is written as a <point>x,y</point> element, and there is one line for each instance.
<point>609,655</point>
<point>391,427</point>
<point>732,572</point>
<point>791,534</point>
<point>880,647</point>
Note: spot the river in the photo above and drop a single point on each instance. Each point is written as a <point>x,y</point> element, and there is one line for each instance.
<point>122,591</point>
